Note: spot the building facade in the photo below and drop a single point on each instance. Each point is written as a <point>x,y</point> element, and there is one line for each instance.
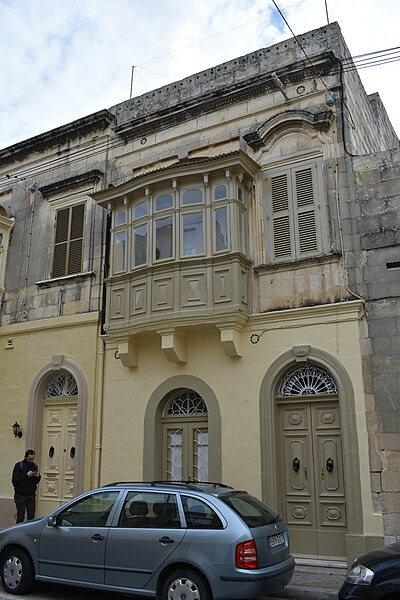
<point>194,289</point>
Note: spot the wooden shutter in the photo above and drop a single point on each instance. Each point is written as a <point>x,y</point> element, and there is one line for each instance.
<point>307,240</point>
<point>76,239</point>
<point>69,241</point>
<point>282,235</point>
<point>294,224</point>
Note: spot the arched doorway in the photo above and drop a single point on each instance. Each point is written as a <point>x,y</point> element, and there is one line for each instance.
<point>58,447</point>
<point>311,491</point>
<point>185,437</point>
<point>60,384</point>
<point>154,449</point>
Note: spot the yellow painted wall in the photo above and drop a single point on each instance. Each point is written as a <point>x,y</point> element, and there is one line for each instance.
<point>34,345</point>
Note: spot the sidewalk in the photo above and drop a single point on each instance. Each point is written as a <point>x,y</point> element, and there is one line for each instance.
<point>314,583</point>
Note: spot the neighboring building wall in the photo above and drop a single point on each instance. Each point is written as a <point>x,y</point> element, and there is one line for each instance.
<point>375,276</point>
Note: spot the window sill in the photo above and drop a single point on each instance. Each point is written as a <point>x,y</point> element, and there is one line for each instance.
<point>297,264</point>
<point>46,283</point>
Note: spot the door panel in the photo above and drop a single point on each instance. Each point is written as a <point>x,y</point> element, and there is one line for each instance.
<point>185,450</point>
<point>313,489</point>
<point>58,445</point>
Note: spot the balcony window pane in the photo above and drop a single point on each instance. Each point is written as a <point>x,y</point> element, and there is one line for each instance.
<point>119,251</point>
<point>192,224</point>
<point>120,217</point>
<point>221,229</point>
<point>140,245</point>
<point>164,238</point>
<point>163,202</point>
<point>140,210</point>
<point>192,196</point>
<point>220,192</point>
<point>242,232</point>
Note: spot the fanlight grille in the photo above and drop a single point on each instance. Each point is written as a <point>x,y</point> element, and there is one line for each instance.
<point>306,380</point>
<point>62,385</point>
<point>185,403</point>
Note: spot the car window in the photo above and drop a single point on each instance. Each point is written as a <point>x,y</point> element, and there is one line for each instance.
<point>147,509</point>
<point>91,511</point>
<point>253,512</point>
<point>199,515</point>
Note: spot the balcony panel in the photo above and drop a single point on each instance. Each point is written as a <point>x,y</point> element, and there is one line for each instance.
<point>199,291</point>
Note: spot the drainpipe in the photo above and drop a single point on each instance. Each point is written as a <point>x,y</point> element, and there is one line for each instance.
<point>99,397</point>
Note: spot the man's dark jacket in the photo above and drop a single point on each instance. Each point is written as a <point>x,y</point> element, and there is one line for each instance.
<point>24,485</point>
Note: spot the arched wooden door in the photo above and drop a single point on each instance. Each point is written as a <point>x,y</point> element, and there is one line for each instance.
<point>309,454</point>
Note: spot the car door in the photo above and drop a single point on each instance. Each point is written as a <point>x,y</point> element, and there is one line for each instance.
<point>146,533</point>
<point>73,548</point>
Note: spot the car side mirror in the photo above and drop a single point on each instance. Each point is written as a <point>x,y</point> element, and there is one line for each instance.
<point>52,521</point>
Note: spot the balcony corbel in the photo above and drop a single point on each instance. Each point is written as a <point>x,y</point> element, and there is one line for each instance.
<point>128,352</point>
<point>231,341</point>
<point>174,345</point>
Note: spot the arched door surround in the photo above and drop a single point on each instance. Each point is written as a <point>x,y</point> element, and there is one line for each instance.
<point>346,407</point>
<point>36,411</point>
<point>153,425</point>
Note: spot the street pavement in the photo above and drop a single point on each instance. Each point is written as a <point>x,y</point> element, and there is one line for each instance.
<point>315,584</point>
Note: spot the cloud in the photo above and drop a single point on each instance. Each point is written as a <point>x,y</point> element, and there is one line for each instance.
<point>64,60</point>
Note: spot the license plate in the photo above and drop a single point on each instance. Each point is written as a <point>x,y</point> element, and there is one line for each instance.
<point>276,540</point>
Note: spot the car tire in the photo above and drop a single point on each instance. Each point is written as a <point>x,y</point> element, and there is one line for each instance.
<point>187,584</point>
<point>17,572</point>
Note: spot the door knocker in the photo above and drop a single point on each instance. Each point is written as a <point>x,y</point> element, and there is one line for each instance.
<point>329,465</point>
<point>72,452</point>
<point>51,451</point>
<point>296,465</point>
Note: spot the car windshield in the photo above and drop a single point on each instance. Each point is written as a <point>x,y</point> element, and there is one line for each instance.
<point>253,512</point>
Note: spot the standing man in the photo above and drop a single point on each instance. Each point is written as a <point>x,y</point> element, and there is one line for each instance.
<point>25,478</point>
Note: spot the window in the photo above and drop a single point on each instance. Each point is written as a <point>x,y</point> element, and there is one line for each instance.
<point>196,218</point>
<point>146,509</point>
<point>193,196</point>
<point>253,512</point>
<point>139,245</point>
<point>91,511</point>
<point>120,251</point>
<point>163,202</point>
<point>192,226</point>
<point>164,238</point>
<point>294,229</point>
<point>69,241</point>
<point>220,192</point>
<point>199,515</point>
<point>221,229</point>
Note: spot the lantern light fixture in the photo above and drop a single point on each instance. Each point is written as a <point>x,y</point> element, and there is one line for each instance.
<point>17,430</point>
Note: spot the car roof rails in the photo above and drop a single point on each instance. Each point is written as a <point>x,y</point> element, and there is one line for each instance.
<point>189,485</point>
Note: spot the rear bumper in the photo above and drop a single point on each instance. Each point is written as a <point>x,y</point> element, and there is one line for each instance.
<point>238,583</point>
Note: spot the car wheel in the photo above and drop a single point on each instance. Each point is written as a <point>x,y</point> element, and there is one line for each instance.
<point>187,585</point>
<point>17,573</point>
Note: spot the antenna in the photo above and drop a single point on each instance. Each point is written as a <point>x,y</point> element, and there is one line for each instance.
<point>130,95</point>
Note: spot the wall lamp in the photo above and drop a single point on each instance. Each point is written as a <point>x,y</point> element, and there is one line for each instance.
<point>17,430</point>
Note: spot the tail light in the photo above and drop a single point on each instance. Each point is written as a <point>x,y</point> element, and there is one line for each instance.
<point>246,555</point>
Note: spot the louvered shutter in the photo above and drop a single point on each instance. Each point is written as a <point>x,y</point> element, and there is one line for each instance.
<point>304,206</point>
<point>281,218</point>
<point>76,239</point>
<point>69,241</point>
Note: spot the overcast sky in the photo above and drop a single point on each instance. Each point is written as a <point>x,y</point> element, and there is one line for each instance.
<point>64,59</point>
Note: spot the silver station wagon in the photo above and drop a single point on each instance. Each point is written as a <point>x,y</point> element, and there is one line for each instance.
<point>172,540</point>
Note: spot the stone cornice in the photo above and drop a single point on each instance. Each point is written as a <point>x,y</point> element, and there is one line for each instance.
<point>71,182</point>
<point>94,122</point>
